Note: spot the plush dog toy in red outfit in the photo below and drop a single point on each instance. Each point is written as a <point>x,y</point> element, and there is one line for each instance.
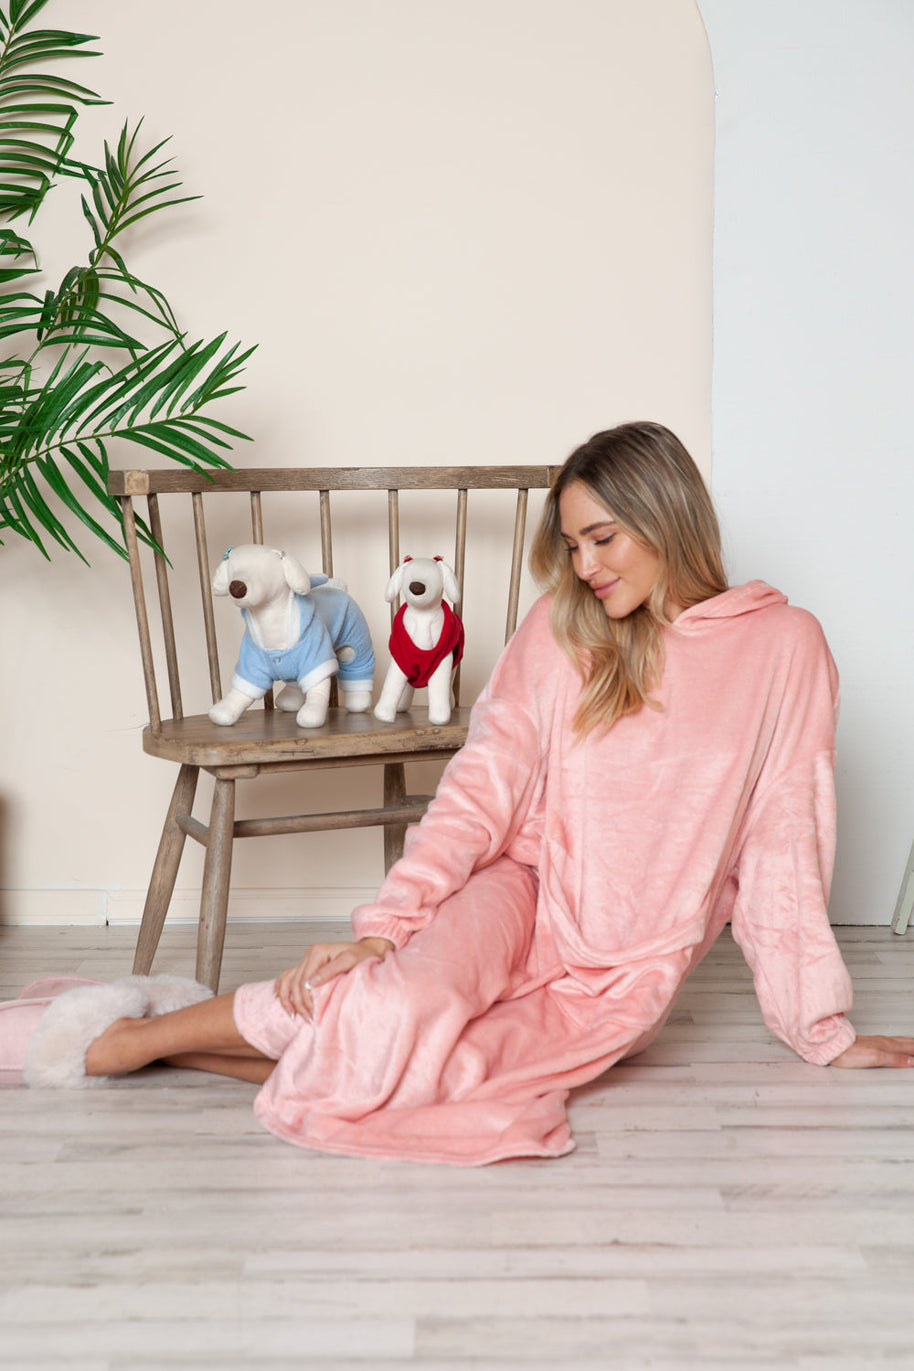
<point>426,640</point>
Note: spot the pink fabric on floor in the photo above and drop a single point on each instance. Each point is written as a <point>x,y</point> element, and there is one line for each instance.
<point>558,892</point>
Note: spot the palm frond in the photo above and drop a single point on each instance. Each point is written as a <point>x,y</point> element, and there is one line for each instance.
<point>37,109</point>
<point>58,485</point>
<point>22,46</point>
<point>21,12</point>
<point>129,188</point>
<point>15,251</point>
<point>161,312</point>
<point>73,315</point>
<point>67,421</point>
<point>41,83</point>
<point>64,399</point>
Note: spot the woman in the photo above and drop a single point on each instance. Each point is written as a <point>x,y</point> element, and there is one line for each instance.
<point>652,757</point>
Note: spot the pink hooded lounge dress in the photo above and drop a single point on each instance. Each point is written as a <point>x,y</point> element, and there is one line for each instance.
<point>558,892</point>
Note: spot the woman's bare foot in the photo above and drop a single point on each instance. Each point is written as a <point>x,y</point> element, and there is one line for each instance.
<point>116,1049</point>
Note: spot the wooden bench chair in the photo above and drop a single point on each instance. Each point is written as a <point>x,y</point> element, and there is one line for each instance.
<point>265,741</point>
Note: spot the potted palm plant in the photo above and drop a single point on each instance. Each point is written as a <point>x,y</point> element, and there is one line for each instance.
<point>100,356</point>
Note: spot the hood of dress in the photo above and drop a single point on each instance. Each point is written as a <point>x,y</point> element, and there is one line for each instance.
<point>732,603</point>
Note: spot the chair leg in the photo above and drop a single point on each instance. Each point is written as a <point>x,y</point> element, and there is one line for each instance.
<point>394,794</point>
<point>164,871</point>
<point>905,905</point>
<point>217,870</point>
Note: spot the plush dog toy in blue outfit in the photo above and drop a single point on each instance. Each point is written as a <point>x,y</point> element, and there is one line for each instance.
<point>298,629</point>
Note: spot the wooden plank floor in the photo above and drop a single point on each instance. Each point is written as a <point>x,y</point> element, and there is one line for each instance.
<point>728,1207</point>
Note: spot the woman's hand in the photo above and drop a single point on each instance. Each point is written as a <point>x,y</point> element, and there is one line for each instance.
<point>321,963</point>
<point>877,1051</point>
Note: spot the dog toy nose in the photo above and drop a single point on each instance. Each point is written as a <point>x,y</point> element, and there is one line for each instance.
<point>237,589</point>
<point>417,587</point>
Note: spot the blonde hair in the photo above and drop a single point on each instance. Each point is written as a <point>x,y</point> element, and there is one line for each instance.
<point>645,479</point>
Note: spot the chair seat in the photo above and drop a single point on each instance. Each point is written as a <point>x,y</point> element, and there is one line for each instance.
<point>266,737</point>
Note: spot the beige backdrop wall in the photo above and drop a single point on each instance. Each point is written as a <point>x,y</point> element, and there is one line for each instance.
<point>457,233</point>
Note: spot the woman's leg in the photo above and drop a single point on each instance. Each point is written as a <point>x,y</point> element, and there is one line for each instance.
<point>202,1036</point>
<point>385,1032</point>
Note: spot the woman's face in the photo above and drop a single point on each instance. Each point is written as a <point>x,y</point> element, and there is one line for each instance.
<point>620,571</point>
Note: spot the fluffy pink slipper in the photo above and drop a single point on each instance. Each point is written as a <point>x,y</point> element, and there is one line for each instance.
<point>49,987</point>
<point>20,1017</point>
<point>44,1038</point>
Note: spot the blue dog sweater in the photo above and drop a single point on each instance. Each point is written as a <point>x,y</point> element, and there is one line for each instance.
<point>329,620</point>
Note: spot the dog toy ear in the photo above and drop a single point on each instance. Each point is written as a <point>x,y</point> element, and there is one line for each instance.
<point>297,578</point>
<point>220,581</point>
<point>451,588</point>
<point>396,581</point>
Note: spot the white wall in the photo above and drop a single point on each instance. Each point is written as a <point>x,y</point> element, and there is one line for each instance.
<point>813,469</point>
<point>469,232</point>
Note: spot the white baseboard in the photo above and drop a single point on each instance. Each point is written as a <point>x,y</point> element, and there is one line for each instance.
<point>87,907</point>
<point>94,907</point>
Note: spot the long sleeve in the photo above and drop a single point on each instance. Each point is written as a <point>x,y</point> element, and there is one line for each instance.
<point>779,917</point>
<point>482,802</point>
